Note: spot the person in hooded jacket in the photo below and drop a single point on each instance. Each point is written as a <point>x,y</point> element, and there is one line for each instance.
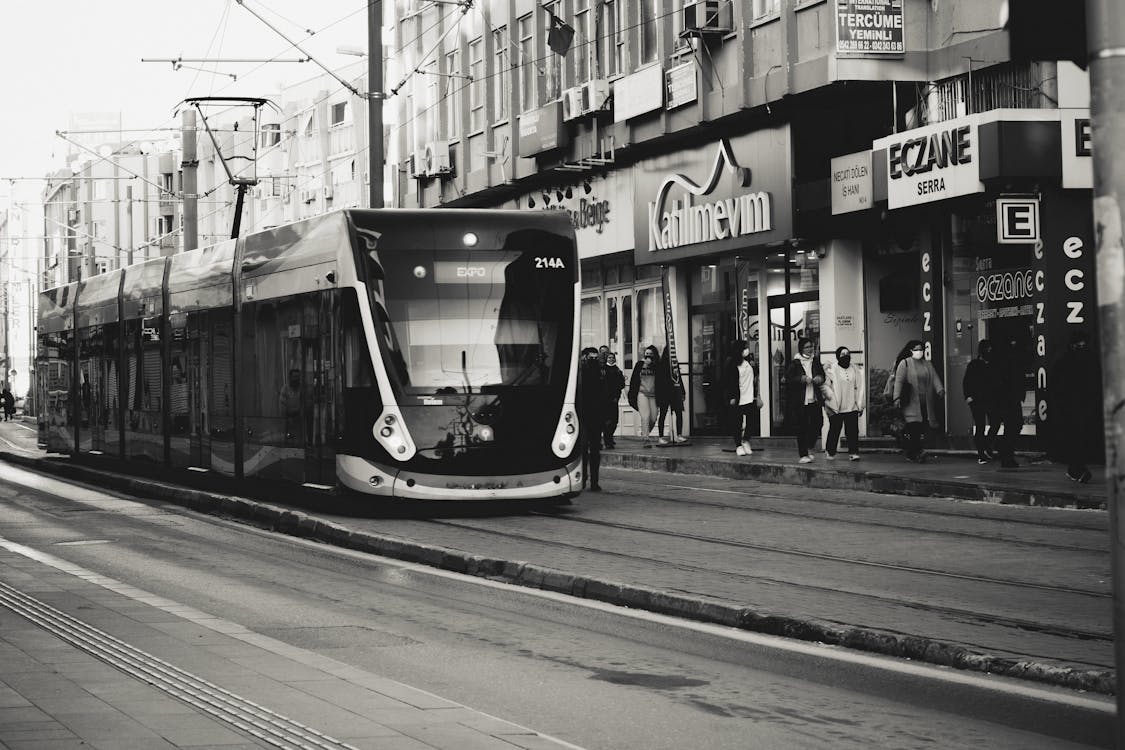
<point>917,390</point>
<point>979,386</point>
<point>739,382</point>
<point>804,381</point>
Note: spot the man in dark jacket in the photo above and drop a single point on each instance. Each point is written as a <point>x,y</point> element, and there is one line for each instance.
<point>1011,371</point>
<point>979,386</point>
<point>615,384</point>
<point>1076,407</point>
<point>592,395</point>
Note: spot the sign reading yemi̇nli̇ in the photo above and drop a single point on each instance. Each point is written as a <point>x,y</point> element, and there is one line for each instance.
<point>702,200</point>
<point>869,27</point>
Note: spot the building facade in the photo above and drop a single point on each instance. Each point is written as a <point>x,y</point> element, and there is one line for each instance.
<point>769,165</point>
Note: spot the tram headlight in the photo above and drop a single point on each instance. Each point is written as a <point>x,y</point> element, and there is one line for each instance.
<point>566,433</point>
<point>394,437</point>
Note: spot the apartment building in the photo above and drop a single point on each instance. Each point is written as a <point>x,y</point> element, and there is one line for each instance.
<point>775,168</point>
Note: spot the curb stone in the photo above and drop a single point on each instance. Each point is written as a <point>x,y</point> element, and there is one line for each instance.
<point>699,608</point>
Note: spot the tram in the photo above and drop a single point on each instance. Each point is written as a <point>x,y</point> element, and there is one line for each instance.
<point>425,354</point>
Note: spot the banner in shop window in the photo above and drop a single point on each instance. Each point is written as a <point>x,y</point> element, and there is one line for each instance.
<point>673,361</point>
<point>742,298</point>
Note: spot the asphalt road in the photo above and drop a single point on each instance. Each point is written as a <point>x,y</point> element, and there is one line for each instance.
<point>595,675</point>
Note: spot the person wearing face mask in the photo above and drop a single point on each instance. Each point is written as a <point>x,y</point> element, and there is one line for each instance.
<point>740,389</point>
<point>615,383</point>
<point>845,401</point>
<point>804,390</point>
<point>592,391</point>
<point>917,389</point>
<point>642,392</point>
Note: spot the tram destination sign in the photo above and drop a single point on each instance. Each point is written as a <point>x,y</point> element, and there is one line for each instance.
<point>869,27</point>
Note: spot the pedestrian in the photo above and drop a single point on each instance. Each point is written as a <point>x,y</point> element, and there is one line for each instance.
<point>845,401</point>
<point>739,382</point>
<point>804,389</point>
<point>591,413</point>
<point>614,383</point>
<point>9,403</point>
<point>603,353</point>
<point>669,397</point>
<point>1011,386</point>
<point>917,389</point>
<point>980,386</point>
<point>642,392</point>
<point>1076,406</point>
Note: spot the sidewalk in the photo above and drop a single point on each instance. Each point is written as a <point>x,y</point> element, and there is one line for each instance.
<point>951,474</point>
<point>65,683</point>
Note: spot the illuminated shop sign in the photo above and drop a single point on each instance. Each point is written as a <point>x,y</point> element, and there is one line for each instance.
<point>675,223</point>
<point>932,163</point>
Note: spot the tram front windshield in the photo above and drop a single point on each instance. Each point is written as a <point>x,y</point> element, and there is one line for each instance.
<point>457,323</point>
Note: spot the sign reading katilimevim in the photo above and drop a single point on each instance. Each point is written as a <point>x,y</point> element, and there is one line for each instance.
<point>871,27</point>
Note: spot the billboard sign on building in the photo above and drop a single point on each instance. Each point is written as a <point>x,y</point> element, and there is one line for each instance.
<point>1077,158</point>
<point>638,93</point>
<point>932,163</point>
<point>735,193</point>
<point>869,27</point>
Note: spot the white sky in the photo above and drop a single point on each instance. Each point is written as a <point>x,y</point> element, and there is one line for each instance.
<point>78,56</point>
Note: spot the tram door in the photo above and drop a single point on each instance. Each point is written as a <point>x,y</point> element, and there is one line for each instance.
<point>289,388</point>
<point>91,390</point>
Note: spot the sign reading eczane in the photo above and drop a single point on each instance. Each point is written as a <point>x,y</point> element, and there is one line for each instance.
<point>932,163</point>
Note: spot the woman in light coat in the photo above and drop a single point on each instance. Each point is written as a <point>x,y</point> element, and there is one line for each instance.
<point>917,390</point>
<point>846,398</point>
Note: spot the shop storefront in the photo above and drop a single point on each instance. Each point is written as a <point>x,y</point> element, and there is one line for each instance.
<point>993,212</point>
<point>717,221</point>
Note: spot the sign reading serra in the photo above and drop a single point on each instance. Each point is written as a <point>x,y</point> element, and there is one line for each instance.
<point>932,163</point>
<point>701,200</point>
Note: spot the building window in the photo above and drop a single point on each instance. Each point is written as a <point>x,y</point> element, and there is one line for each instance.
<point>501,96</point>
<point>166,183</point>
<point>451,93</point>
<point>476,84</point>
<point>339,113</point>
<point>763,8</point>
<point>271,134</point>
<point>584,42</point>
<point>527,66</point>
<point>551,66</point>
<point>620,27</point>
<point>649,34</point>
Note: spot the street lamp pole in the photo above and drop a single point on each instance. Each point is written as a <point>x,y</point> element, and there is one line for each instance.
<point>375,102</point>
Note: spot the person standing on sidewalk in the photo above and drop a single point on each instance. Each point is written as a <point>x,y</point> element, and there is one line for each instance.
<point>669,396</point>
<point>1011,388</point>
<point>614,384</point>
<point>1076,406</point>
<point>9,403</point>
<point>740,388</point>
<point>804,381</point>
<point>917,389</point>
<point>642,392</point>
<point>979,386</point>
<point>591,405</point>
<point>846,398</point>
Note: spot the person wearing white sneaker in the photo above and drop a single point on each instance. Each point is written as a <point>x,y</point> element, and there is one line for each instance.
<point>805,460</point>
<point>739,382</point>
<point>844,402</point>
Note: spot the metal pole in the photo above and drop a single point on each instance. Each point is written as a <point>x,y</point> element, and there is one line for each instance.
<point>375,101</point>
<point>1105,30</point>
<point>190,186</point>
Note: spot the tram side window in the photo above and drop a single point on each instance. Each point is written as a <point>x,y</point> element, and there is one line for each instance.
<point>361,401</point>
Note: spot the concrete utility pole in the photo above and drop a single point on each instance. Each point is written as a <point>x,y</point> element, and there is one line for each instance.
<point>375,101</point>
<point>189,164</point>
<point>1105,35</point>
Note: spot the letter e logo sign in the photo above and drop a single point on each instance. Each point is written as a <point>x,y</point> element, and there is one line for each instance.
<point>1017,221</point>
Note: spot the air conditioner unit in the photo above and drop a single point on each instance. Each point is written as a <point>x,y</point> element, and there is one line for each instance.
<point>595,93</point>
<point>437,158</point>
<point>572,103</point>
<point>418,163</point>
<point>707,17</point>
<point>328,192</point>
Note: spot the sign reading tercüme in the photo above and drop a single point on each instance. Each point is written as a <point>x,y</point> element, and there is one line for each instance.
<point>681,222</point>
<point>869,27</point>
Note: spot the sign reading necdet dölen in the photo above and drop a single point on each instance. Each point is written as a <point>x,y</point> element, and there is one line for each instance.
<point>675,223</point>
<point>932,163</point>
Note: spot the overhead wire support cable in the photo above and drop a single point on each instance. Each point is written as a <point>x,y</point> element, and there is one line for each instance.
<point>325,68</point>
<point>465,6</point>
<point>107,159</point>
